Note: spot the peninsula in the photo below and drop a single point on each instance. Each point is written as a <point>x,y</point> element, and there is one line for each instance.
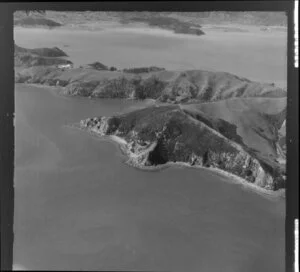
<point>200,118</point>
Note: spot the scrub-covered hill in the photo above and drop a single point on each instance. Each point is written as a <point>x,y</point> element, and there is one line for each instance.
<point>158,135</point>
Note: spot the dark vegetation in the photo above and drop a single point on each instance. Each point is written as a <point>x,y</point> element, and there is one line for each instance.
<point>139,70</point>
<point>149,88</point>
<point>159,155</point>
<point>98,66</point>
<point>81,88</point>
<point>271,167</point>
<point>114,88</point>
<point>225,128</point>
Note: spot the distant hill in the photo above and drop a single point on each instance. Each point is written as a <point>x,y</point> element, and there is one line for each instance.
<point>36,21</point>
<point>39,56</point>
<point>178,22</point>
<point>164,86</point>
<point>43,52</point>
<point>258,18</point>
<point>164,22</point>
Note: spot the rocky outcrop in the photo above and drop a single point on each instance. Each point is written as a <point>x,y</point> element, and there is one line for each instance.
<point>158,135</point>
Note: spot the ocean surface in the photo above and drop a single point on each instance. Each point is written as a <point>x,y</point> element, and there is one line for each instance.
<point>79,207</point>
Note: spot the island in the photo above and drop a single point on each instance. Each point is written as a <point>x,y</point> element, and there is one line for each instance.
<point>163,22</point>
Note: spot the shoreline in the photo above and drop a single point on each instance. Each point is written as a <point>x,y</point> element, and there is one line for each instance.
<point>226,176</point>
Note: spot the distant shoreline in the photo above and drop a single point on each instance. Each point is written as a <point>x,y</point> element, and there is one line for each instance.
<point>185,22</point>
<point>152,30</point>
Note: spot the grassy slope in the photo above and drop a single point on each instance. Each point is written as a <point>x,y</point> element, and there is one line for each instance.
<point>250,115</point>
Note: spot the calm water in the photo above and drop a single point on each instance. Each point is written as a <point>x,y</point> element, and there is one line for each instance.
<point>77,206</point>
<point>258,56</point>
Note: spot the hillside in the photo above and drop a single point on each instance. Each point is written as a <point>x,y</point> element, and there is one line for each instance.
<point>39,56</point>
<point>165,86</point>
<point>158,135</point>
<point>252,117</point>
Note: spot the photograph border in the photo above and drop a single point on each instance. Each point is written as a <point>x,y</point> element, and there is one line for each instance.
<point>7,107</point>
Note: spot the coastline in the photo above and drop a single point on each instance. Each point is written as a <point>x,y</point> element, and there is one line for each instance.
<point>226,176</point>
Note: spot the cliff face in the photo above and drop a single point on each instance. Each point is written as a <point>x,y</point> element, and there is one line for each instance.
<point>165,86</point>
<point>158,135</point>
